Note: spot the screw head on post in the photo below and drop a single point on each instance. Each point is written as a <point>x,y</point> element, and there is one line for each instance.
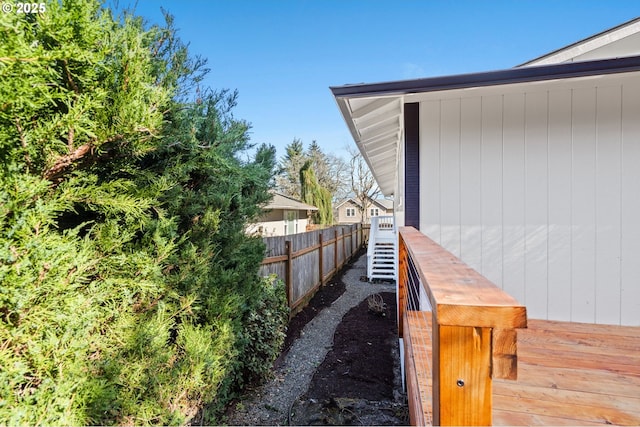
<point>460,383</point>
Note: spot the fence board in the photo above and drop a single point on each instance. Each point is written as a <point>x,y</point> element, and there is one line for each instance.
<point>338,245</point>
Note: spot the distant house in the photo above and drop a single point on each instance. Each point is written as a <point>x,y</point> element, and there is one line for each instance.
<point>350,212</point>
<point>282,216</point>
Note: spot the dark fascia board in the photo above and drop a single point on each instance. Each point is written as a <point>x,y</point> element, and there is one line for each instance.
<point>491,78</point>
<point>579,42</point>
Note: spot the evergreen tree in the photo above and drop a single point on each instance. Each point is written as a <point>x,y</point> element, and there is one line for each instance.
<point>288,178</point>
<point>329,169</point>
<point>316,195</point>
<point>128,289</point>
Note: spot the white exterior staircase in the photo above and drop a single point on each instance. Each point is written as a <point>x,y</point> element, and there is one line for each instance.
<point>382,261</point>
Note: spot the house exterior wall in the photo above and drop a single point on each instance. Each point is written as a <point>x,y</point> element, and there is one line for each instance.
<point>342,217</point>
<point>537,187</point>
<point>273,224</point>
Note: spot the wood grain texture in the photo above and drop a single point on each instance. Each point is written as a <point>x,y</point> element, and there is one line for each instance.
<point>568,374</point>
<point>572,374</point>
<point>504,354</point>
<point>418,366</point>
<point>460,295</point>
<point>463,377</point>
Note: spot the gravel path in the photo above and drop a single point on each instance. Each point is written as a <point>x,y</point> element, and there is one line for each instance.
<point>269,404</point>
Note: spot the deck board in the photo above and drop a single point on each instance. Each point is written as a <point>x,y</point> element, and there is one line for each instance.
<point>568,374</point>
<point>418,351</point>
<point>572,374</point>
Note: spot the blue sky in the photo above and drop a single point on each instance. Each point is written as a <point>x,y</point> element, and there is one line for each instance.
<point>283,55</point>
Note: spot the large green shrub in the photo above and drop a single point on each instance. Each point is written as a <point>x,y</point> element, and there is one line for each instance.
<point>127,285</point>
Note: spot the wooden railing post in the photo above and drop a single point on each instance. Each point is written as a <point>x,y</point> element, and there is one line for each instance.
<point>402,282</point>
<point>471,336</point>
<point>461,376</point>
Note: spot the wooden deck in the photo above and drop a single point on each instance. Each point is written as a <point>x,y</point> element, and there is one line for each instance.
<point>568,374</point>
<point>572,374</point>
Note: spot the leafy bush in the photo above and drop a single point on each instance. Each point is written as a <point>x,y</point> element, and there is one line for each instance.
<point>127,284</point>
<point>264,331</point>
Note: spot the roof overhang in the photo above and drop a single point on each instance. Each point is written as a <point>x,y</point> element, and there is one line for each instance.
<point>376,126</point>
<point>617,42</point>
<point>280,201</point>
<point>374,112</point>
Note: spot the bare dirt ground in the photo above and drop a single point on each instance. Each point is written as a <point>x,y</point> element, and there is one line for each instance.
<point>358,383</point>
<point>339,365</point>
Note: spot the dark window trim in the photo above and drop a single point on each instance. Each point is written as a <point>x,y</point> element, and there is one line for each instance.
<point>412,164</point>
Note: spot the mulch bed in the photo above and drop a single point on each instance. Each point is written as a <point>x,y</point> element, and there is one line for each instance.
<point>357,383</point>
<point>360,364</point>
<point>323,298</point>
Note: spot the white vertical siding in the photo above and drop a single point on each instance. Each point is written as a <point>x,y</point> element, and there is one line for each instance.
<point>470,182</point>
<point>513,199</point>
<point>430,169</point>
<point>539,190</point>
<point>630,215</point>
<point>608,206</point>
<point>491,188</point>
<point>559,205</point>
<point>450,173</point>
<point>536,221</point>
<point>583,206</point>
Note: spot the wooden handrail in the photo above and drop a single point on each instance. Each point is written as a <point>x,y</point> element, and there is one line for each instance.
<point>473,329</point>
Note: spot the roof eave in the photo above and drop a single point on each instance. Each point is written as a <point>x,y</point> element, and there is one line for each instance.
<point>490,78</point>
<point>582,42</point>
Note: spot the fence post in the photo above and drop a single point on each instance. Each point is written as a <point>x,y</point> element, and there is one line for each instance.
<point>352,240</point>
<point>320,258</point>
<point>344,247</point>
<point>289,270</point>
<point>335,248</point>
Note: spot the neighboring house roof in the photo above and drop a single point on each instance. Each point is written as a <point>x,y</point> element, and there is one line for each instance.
<point>349,200</point>
<point>383,203</point>
<point>374,112</point>
<point>280,201</point>
<point>617,42</point>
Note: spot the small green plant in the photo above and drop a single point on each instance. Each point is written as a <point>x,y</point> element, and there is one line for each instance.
<point>265,330</point>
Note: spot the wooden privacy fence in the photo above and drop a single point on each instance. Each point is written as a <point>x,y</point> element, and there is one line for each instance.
<point>305,261</point>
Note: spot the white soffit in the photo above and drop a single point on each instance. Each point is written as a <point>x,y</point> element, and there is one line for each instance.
<point>376,126</point>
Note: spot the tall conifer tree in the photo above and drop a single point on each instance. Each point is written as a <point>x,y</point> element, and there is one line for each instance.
<point>316,195</point>
<point>128,289</point>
